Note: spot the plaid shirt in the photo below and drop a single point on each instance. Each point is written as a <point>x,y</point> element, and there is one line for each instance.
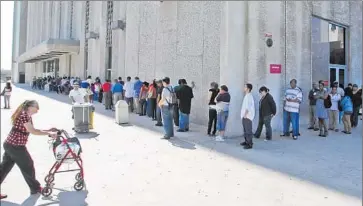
<point>19,135</point>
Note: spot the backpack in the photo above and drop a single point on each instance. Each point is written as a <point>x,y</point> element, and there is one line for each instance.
<point>340,108</point>
<point>173,99</point>
<point>327,102</point>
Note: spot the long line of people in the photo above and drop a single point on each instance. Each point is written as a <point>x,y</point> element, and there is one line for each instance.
<point>170,105</point>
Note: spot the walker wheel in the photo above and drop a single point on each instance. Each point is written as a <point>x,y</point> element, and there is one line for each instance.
<point>49,178</point>
<point>46,191</point>
<point>78,186</point>
<point>78,176</point>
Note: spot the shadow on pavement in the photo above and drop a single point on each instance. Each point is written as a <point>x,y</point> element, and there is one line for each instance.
<point>334,162</point>
<point>68,198</point>
<point>30,201</point>
<point>88,135</point>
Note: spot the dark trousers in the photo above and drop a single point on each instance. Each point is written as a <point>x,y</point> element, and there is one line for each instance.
<point>158,116</point>
<point>212,121</point>
<point>247,129</point>
<point>152,107</point>
<point>267,122</point>
<point>176,115</point>
<point>354,116</point>
<point>100,97</point>
<point>130,102</point>
<point>142,106</point>
<point>19,155</point>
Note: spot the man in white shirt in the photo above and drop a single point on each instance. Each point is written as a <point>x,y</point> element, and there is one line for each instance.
<point>77,96</point>
<point>247,116</point>
<point>129,94</point>
<point>334,109</point>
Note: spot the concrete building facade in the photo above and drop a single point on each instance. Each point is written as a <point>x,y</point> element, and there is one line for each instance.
<point>223,41</point>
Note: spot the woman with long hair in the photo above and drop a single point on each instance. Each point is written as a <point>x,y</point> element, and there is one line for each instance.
<point>7,94</point>
<point>152,100</point>
<point>15,145</point>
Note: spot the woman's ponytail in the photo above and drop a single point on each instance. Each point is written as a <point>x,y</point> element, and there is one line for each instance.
<point>18,111</point>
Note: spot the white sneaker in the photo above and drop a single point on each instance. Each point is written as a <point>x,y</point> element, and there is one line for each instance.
<point>219,139</point>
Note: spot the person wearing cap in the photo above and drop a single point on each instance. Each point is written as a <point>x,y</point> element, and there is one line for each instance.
<point>77,95</point>
<point>313,123</point>
<point>357,103</point>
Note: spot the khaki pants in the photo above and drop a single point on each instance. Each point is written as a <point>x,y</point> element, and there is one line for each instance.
<point>333,119</point>
<point>346,122</point>
<point>117,96</point>
<point>312,117</point>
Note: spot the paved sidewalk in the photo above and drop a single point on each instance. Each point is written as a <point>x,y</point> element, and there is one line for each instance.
<point>131,166</point>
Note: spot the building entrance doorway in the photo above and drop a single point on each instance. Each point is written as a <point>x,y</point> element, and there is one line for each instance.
<point>337,73</point>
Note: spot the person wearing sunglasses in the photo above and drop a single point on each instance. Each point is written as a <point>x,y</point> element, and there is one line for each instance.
<point>15,151</point>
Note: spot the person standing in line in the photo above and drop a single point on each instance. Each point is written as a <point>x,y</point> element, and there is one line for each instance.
<point>117,92</point>
<point>121,82</point>
<point>143,98</point>
<point>212,94</point>
<point>334,109</point>
<point>168,100</point>
<point>342,94</point>
<point>312,108</point>
<point>7,94</point>
<point>321,110</point>
<point>222,106</point>
<point>15,150</point>
<point>152,94</point>
<point>176,107</point>
<point>267,110</point>
<point>137,88</point>
<point>357,103</point>
<point>292,101</point>
<point>247,116</point>
<point>129,94</point>
<point>159,91</point>
<point>106,87</point>
<point>347,107</point>
<point>185,96</point>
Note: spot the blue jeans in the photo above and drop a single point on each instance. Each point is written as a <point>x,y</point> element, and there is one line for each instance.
<point>294,118</point>
<point>183,120</point>
<point>167,115</point>
<point>222,117</point>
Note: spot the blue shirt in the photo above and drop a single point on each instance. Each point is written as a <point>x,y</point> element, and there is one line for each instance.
<point>84,84</point>
<point>137,88</point>
<point>117,87</point>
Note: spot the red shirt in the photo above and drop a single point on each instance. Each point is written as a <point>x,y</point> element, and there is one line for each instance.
<point>106,87</point>
<point>19,135</point>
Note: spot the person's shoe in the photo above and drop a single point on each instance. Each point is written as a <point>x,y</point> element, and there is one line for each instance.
<point>348,133</point>
<point>344,132</point>
<point>310,127</point>
<point>294,137</point>
<point>165,137</point>
<point>39,191</point>
<point>219,139</point>
<point>336,130</point>
<point>247,146</point>
<point>331,129</point>
<point>187,129</point>
<point>316,129</point>
<point>181,130</point>
<point>243,143</point>
<point>285,135</point>
<point>158,124</point>
<point>257,137</point>
<point>2,196</point>
<point>267,139</point>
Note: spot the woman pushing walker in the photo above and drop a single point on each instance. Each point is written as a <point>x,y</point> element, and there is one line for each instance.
<point>15,149</point>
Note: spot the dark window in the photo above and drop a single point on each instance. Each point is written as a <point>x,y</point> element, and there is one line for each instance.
<point>56,67</point>
<point>44,67</point>
<point>337,44</point>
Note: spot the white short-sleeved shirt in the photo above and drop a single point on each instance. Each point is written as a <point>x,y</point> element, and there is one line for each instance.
<point>78,95</point>
<point>129,89</point>
<point>166,95</point>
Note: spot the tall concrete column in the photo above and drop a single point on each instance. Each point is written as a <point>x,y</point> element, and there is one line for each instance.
<point>233,57</point>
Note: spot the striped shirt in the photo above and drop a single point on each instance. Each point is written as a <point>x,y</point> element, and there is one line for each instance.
<point>293,93</point>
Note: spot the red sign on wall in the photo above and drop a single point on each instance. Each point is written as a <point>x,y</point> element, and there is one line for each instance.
<point>326,83</point>
<point>275,68</point>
